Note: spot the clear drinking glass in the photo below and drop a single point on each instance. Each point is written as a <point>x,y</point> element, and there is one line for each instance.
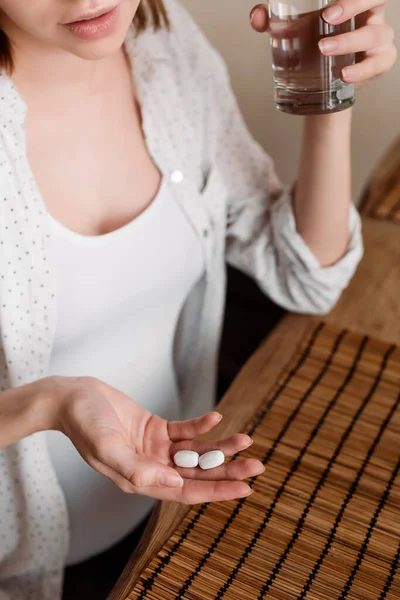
<point>305,81</point>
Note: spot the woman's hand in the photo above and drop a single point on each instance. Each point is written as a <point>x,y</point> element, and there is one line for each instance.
<point>134,448</point>
<point>372,39</point>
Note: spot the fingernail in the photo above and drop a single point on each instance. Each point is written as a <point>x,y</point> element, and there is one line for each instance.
<point>251,442</point>
<point>347,73</point>
<point>249,493</point>
<point>253,13</point>
<point>333,13</point>
<point>214,413</point>
<point>169,479</point>
<point>327,46</point>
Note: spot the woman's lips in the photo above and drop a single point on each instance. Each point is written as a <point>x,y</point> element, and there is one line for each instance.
<point>97,28</point>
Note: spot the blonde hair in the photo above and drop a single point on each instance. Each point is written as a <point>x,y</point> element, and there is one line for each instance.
<point>149,13</point>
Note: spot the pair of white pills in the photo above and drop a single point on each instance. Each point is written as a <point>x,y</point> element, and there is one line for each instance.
<point>189,459</point>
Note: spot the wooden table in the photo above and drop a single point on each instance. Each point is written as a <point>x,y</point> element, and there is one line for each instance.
<point>381,199</point>
<point>371,305</point>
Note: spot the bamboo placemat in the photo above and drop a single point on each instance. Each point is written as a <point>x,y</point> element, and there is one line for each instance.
<point>323,521</point>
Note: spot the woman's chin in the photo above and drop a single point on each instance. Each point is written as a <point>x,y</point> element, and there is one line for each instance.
<point>98,49</point>
<point>99,40</point>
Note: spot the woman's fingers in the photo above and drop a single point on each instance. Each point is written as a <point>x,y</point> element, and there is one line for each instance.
<point>372,66</point>
<point>343,10</point>
<point>361,40</point>
<point>187,430</point>
<point>237,470</point>
<point>117,479</point>
<point>197,492</point>
<point>229,446</point>
<point>110,454</point>
<point>259,18</point>
<point>208,488</point>
<point>373,42</point>
<point>140,475</point>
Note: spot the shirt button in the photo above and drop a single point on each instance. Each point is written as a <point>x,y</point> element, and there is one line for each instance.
<point>176,176</point>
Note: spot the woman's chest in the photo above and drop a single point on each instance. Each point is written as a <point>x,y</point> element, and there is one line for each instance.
<point>92,167</point>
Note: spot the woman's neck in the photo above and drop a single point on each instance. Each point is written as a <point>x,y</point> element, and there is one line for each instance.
<point>48,68</point>
<point>40,65</point>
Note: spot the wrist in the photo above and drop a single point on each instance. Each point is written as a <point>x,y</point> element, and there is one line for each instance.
<point>58,396</point>
<point>40,405</point>
<point>24,410</point>
<point>323,127</point>
<point>48,398</point>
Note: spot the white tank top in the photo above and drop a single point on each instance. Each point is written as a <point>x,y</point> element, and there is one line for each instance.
<point>120,296</point>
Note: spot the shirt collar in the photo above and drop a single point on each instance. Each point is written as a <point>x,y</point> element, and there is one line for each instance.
<point>148,47</point>
<point>12,107</point>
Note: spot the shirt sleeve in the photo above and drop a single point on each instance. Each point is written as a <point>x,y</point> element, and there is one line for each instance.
<point>261,235</point>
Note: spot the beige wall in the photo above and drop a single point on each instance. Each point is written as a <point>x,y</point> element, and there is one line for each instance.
<point>376,117</point>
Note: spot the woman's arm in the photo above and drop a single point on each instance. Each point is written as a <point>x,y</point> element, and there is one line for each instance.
<point>262,237</point>
<point>323,191</point>
<point>25,410</point>
<point>125,442</point>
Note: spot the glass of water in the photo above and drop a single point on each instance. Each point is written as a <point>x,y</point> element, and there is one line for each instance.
<point>305,81</point>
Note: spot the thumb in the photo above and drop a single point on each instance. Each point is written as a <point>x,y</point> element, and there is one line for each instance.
<point>115,456</point>
<point>147,473</point>
<point>259,18</point>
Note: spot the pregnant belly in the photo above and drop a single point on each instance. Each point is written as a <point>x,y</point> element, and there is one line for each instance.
<point>100,514</point>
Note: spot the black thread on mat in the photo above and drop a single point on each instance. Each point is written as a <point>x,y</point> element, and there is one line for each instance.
<point>371,527</point>
<point>165,560</point>
<point>300,523</point>
<point>287,379</point>
<point>390,577</point>
<point>293,469</point>
<point>354,485</point>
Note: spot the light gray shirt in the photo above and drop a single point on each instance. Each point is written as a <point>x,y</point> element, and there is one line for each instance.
<point>226,187</point>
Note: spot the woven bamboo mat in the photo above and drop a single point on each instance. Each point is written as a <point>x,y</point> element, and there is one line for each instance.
<point>324,520</point>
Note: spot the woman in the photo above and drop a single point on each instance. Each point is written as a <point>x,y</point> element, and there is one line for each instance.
<point>127,180</point>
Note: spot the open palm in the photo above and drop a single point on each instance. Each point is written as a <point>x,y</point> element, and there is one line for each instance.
<point>134,448</point>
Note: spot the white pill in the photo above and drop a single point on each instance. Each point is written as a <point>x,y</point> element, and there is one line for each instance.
<point>186,459</point>
<point>211,460</point>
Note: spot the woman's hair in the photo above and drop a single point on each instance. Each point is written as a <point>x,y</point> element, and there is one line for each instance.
<point>149,13</point>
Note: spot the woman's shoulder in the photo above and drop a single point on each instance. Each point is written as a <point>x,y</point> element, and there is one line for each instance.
<point>183,27</point>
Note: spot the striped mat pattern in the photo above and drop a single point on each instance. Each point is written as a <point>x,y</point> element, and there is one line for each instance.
<point>324,519</point>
